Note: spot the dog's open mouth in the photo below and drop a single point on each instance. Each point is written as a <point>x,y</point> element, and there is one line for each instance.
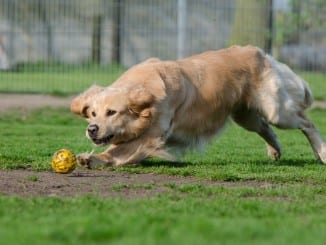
<point>103,141</point>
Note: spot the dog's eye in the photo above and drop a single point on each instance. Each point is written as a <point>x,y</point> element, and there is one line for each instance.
<point>93,113</point>
<point>110,112</point>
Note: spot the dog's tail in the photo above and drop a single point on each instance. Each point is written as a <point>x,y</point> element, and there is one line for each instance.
<point>308,96</point>
<point>292,83</point>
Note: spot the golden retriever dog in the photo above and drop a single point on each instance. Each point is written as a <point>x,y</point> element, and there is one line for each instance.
<point>157,105</point>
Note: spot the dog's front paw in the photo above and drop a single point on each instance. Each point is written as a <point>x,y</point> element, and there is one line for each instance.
<point>94,160</point>
<point>84,159</point>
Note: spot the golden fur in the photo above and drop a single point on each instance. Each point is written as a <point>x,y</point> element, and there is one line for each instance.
<point>157,105</point>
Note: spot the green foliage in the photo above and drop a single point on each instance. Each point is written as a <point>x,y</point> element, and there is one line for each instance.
<point>251,24</point>
<point>305,16</point>
<point>302,18</point>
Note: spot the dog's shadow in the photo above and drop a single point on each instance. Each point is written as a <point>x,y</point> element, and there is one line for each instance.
<point>293,162</point>
<point>165,163</point>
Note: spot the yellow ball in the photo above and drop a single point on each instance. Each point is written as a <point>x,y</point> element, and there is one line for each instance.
<point>64,161</point>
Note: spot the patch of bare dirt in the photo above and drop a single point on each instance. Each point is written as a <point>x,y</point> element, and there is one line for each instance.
<point>85,182</point>
<point>81,182</point>
<point>319,104</point>
<point>100,183</point>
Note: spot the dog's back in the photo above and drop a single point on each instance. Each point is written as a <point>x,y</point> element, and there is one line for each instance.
<point>216,83</point>
<point>245,77</point>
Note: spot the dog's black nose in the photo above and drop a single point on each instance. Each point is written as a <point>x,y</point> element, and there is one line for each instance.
<point>92,130</point>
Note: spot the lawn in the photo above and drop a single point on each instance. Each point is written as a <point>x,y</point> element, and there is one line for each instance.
<point>61,79</point>
<point>317,83</point>
<point>288,207</point>
<point>193,214</point>
<point>57,79</point>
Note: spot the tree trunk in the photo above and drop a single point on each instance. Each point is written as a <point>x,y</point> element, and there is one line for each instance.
<point>49,37</point>
<point>253,24</point>
<point>116,31</point>
<point>44,16</point>
<point>96,39</point>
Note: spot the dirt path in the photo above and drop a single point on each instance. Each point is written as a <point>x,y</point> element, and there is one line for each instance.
<point>31,101</point>
<point>319,104</point>
<point>101,183</point>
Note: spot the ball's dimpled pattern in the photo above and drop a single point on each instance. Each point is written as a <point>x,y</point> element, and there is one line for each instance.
<point>64,161</point>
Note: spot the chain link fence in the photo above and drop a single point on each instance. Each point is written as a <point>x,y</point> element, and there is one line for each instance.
<point>62,46</point>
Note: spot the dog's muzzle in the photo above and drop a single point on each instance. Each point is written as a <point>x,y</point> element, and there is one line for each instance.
<point>92,131</point>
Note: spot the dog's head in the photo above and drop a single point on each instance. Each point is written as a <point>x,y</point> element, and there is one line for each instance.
<point>115,115</point>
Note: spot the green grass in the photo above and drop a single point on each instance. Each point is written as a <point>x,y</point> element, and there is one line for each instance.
<point>317,83</point>
<point>288,209</point>
<point>191,214</point>
<point>64,79</point>
<point>57,79</point>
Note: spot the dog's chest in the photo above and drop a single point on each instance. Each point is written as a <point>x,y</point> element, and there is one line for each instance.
<point>199,124</point>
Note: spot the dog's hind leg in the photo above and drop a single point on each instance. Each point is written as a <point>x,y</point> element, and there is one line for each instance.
<point>310,131</point>
<point>253,121</point>
<point>273,147</point>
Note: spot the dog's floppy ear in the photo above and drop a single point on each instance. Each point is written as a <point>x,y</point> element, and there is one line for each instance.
<point>80,104</point>
<point>141,101</point>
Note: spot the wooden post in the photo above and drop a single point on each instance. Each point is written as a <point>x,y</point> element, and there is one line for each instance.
<point>116,31</point>
<point>96,39</point>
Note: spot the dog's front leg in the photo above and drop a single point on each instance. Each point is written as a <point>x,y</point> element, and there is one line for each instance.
<point>131,153</point>
<point>121,155</point>
<point>89,160</point>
